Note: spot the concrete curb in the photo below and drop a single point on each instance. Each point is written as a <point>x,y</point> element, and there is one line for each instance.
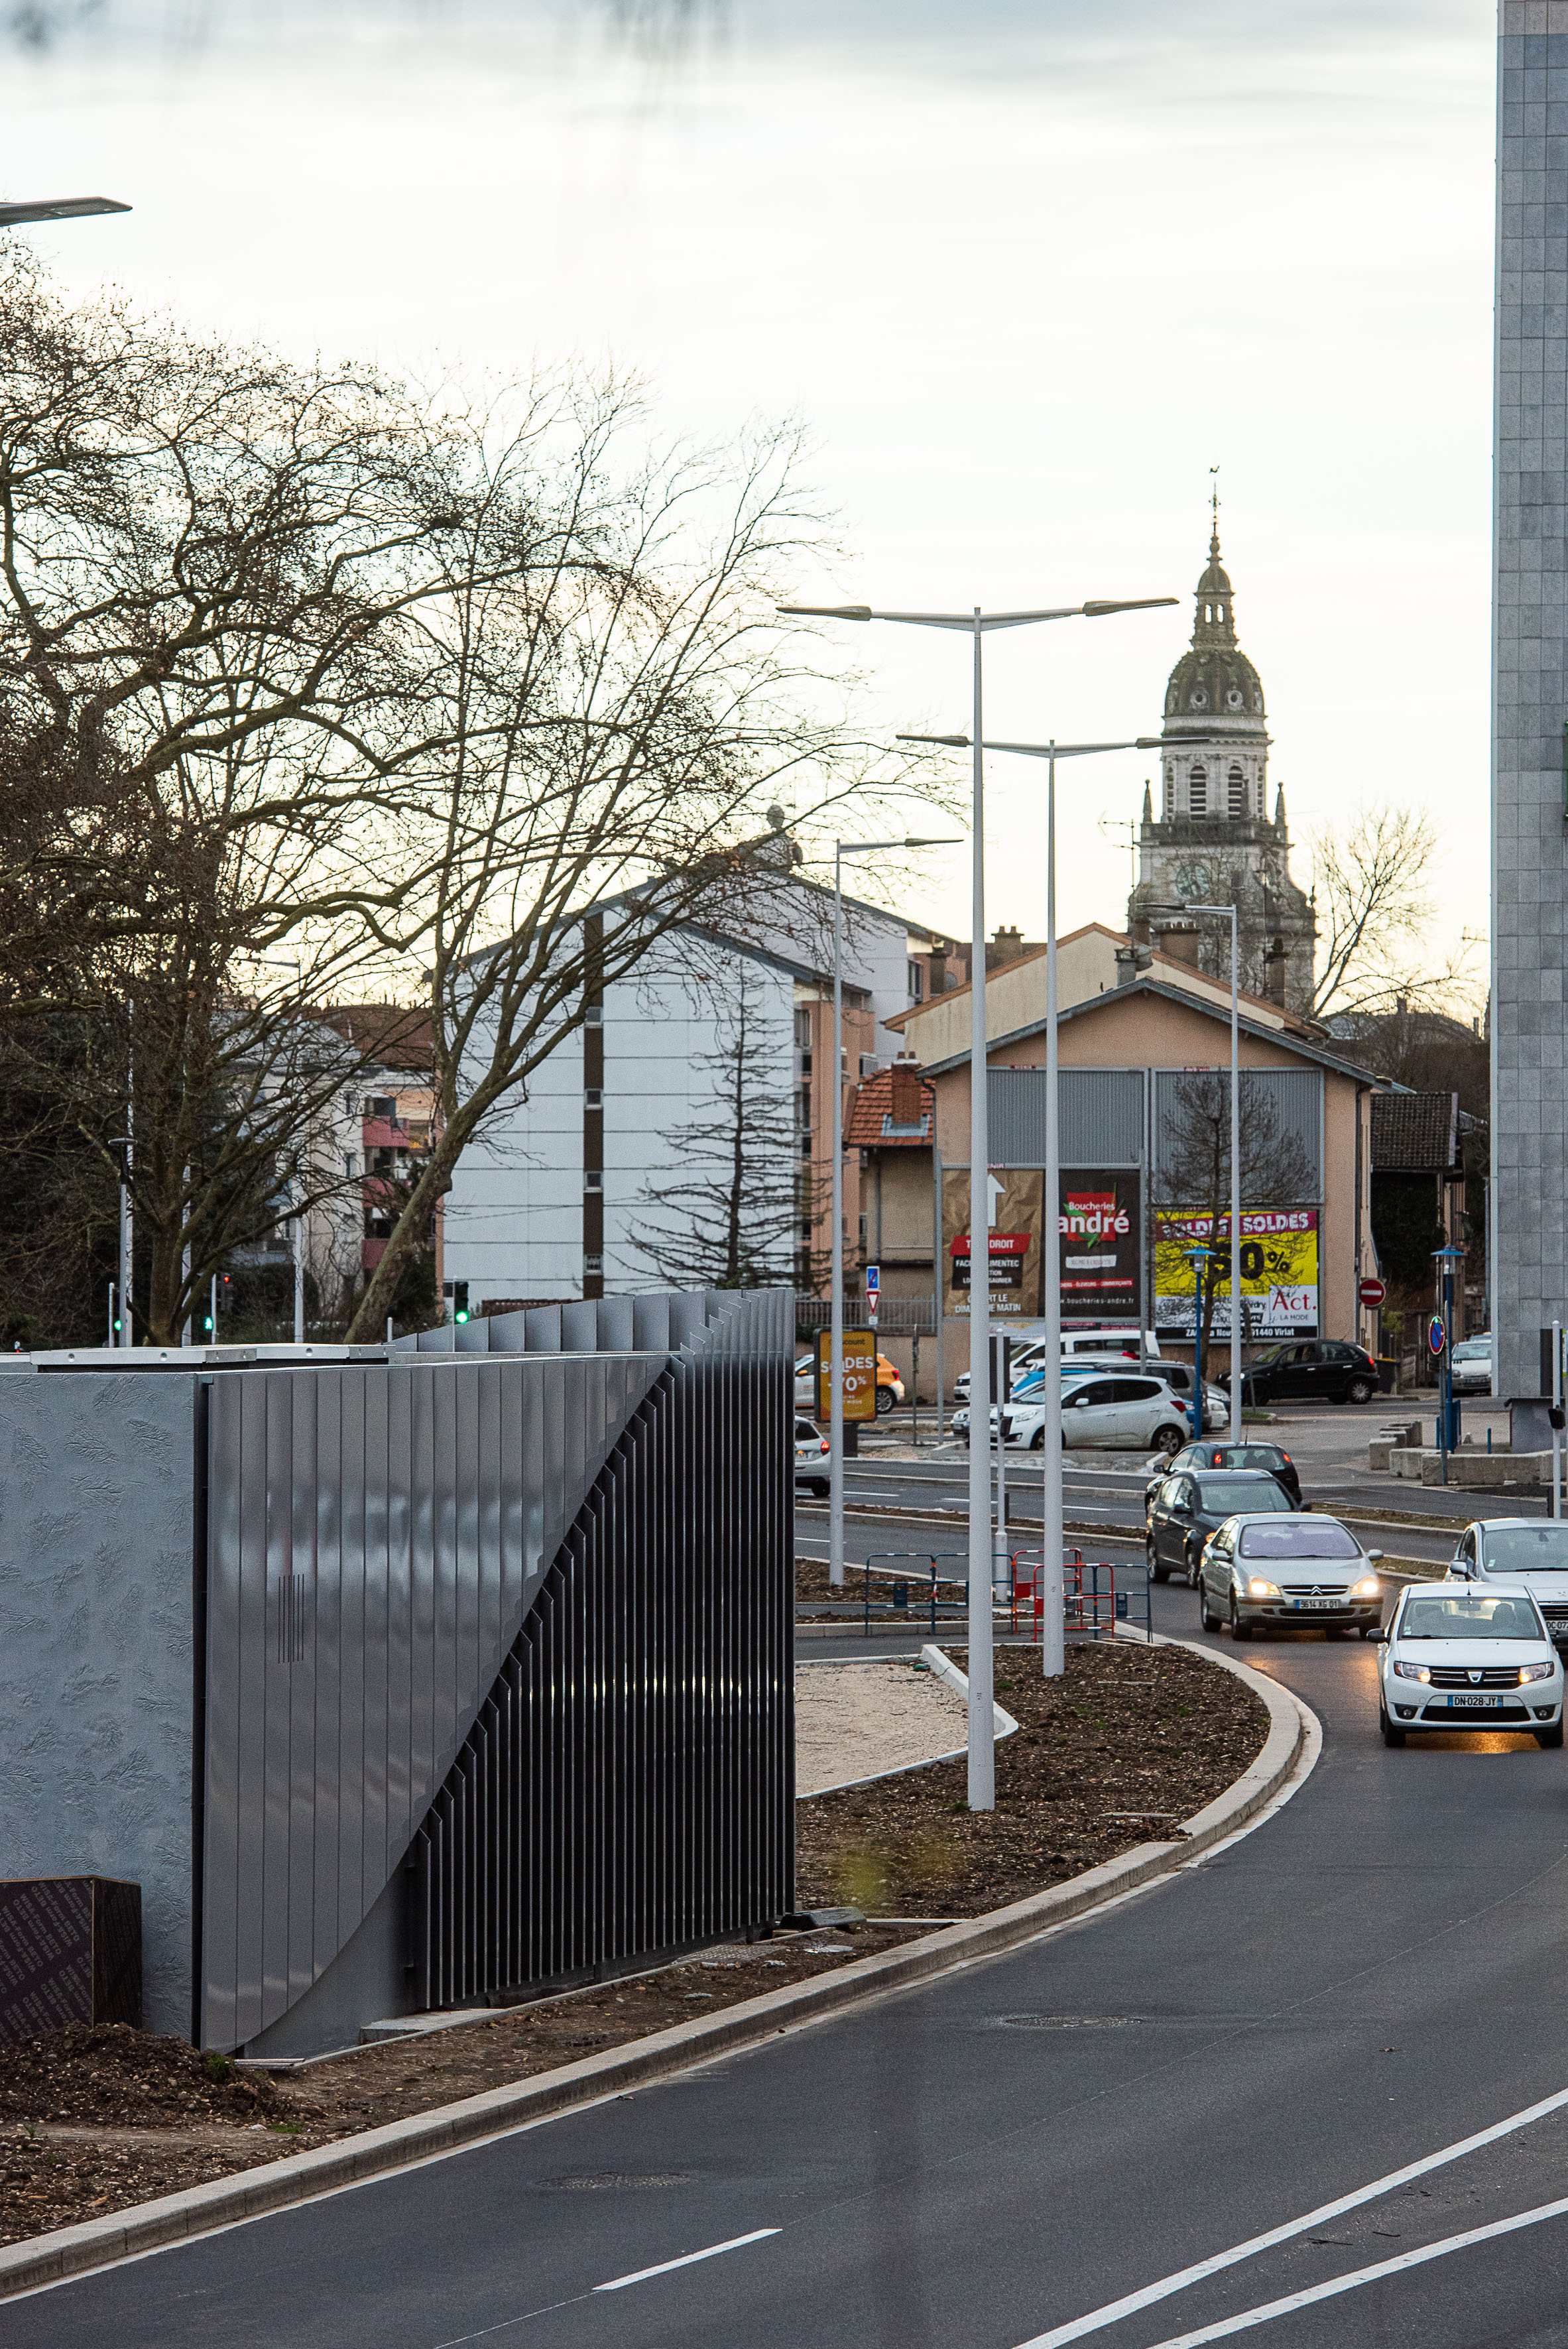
<point>276,2186</point>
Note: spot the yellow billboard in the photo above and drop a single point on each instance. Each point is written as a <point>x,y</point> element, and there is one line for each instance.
<point>1279,1270</point>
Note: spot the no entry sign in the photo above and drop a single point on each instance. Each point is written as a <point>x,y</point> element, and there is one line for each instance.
<point>1372,1292</point>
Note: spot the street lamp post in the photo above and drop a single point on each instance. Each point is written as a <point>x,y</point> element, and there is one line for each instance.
<point>1198,1257</point>
<point>982,1787</point>
<point>842,848</point>
<point>1230,914</point>
<point>1053,1638</point>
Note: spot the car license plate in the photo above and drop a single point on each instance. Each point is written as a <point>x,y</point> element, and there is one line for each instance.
<point>1475,1704</point>
<point>1299,1603</point>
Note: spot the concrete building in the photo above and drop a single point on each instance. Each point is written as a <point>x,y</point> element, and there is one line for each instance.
<point>1213,840</point>
<point>1530,710</point>
<point>593,1174</point>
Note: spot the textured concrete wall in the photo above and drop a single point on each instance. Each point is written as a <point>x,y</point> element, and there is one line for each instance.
<point>96,1530</point>
<point>1530,836</point>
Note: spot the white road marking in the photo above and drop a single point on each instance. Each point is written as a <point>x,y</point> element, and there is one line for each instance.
<point>1114,2311</point>
<point>735,2243</point>
<point>1294,2300</point>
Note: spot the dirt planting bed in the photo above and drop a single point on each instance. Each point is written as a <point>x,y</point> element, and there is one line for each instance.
<point>1128,1743</point>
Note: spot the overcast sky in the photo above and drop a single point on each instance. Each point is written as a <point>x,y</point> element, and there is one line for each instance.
<point>1027,269</point>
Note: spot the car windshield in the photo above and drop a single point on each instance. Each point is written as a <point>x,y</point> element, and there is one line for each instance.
<point>1254,1455</point>
<point>1429,1617</point>
<point>1323,1539</point>
<point>1527,1549</point>
<point>1235,1497</point>
<point>1474,1349</point>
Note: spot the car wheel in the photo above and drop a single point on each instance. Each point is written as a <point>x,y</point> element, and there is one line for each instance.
<point>1358,1390</point>
<point>884,1401</point>
<point>1194,1568</point>
<point>1206,1615</point>
<point>1391,1736</point>
<point>820,1486</point>
<point>1156,1573</point>
<point>1037,1441</point>
<point>1548,1738</point>
<point>1238,1631</point>
<point>1168,1440</point>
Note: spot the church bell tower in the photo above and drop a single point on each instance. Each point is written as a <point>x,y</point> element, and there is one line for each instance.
<point>1212,840</point>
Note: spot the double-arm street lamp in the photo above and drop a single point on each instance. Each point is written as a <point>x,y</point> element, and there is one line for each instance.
<point>1053,1634</point>
<point>977,624</point>
<point>842,848</point>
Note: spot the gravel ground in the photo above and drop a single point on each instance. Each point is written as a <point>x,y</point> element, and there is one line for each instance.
<point>852,1721</point>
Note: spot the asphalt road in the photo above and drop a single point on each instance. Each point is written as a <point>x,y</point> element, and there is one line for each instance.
<point>1370,1977</point>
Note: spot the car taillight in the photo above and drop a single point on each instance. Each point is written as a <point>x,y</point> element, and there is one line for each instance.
<point>825,1446</point>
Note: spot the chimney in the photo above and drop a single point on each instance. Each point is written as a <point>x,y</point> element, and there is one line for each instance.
<point>1273,971</point>
<point>936,977</point>
<point>1179,940</point>
<point>904,1110</point>
<point>1006,948</point>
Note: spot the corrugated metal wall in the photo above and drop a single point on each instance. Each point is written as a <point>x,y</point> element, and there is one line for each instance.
<point>629,1784</point>
<point>1101,1117</point>
<point>1287,1103</point>
<point>376,1536</point>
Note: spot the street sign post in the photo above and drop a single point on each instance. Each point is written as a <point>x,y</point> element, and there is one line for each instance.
<point>874,1292</point>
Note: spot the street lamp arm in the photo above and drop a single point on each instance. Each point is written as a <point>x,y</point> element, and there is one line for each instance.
<point>1037,750</point>
<point>54,208</point>
<point>971,621</point>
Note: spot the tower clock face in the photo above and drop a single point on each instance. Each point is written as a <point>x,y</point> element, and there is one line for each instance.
<point>1195,884</point>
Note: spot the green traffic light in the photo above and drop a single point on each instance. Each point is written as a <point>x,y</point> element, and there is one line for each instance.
<point>462,1314</point>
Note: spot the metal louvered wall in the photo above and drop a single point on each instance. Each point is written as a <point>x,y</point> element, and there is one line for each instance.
<point>628,1785</point>
<point>1101,1117</point>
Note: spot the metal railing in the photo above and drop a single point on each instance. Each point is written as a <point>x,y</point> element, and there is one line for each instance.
<point>898,1601</point>
<point>901,1315</point>
<point>1094,1601</point>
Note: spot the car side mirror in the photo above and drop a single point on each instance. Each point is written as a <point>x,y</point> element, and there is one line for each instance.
<point>1381,1637</point>
<point>1557,1417</point>
<point>1373,1557</point>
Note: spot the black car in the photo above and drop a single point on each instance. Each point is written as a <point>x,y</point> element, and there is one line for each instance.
<point>1321,1369</point>
<point>1266,1457</point>
<point>1189,1507</point>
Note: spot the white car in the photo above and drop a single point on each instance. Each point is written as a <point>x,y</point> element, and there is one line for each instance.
<point>1519,1554</point>
<point>1292,1571</point>
<point>812,1451</point>
<point>1099,1413</point>
<point>1471,1366</point>
<point>1459,1657</point>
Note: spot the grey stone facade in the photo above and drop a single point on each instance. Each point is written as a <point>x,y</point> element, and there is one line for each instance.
<point>1215,840</point>
<point>1530,835</point>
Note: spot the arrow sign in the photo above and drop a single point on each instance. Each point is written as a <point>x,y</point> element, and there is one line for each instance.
<point>873,1291</point>
<point>993,1190</point>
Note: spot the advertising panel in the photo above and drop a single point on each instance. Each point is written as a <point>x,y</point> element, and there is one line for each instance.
<point>1014,1237</point>
<point>860,1374</point>
<point>1101,1269</point>
<point>1279,1270</point>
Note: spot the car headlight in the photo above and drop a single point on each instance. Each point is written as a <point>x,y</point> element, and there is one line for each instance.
<point>1413,1671</point>
<point>1258,1588</point>
<point>1368,1587</point>
<point>1528,1672</point>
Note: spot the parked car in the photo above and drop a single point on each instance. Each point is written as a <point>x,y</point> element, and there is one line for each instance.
<point>1267,1457</point>
<point>1313,1370</point>
<point>1263,1573</point>
<point>890,1386</point>
<point>1097,1350</point>
<point>1471,1366</point>
<point>1117,1414</point>
<point>1520,1554</point>
<point>1459,1657</point>
<point>812,1451</point>
<point>1189,1507</point>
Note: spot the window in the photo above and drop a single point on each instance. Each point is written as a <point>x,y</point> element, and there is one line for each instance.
<point>594,1263</point>
<point>1198,792</point>
<point>348,1162</point>
<point>1238,793</point>
<point>916,983</point>
<point>867,1065</point>
<point>591,1097</point>
<point>803,1029</point>
<point>593,1178</point>
<point>593,1015</point>
<point>1169,791</point>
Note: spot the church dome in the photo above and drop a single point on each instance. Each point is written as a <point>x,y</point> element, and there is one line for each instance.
<point>1214,687</point>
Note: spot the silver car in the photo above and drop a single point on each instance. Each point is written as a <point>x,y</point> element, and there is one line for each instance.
<point>1471,1366</point>
<point>1520,1554</point>
<point>1290,1572</point>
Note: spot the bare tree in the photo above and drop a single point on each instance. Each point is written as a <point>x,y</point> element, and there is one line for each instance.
<point>1375,906</point>
<point>728,1218</point>
<point>621,709</point>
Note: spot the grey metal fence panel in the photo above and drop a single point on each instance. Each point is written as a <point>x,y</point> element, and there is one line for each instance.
<point>1101,1117</point>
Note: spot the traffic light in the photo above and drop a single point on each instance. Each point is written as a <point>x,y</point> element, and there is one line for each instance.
<point>459,1300</point>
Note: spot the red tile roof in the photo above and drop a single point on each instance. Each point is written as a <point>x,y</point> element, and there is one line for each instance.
<point>891,1110</point>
